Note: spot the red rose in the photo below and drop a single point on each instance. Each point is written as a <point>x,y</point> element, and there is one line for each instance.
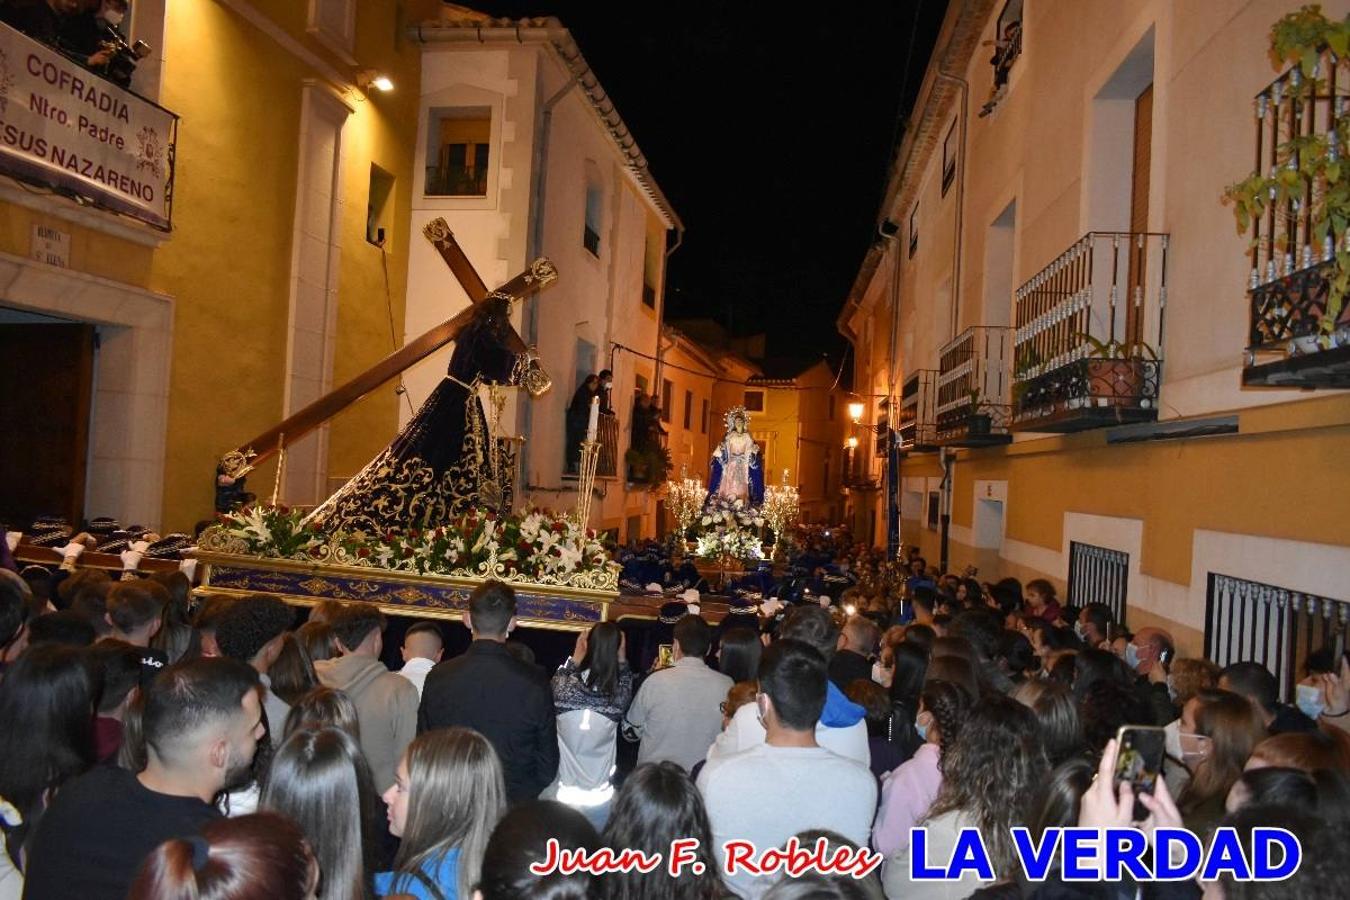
<point>407,552</point>
<point>363,552</point>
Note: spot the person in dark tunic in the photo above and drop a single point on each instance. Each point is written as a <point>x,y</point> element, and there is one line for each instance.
<point>578,416</point>
<point>445,462</point>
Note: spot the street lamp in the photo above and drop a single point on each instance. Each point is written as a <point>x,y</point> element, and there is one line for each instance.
<point>853,442</point>
<point>856,410</point>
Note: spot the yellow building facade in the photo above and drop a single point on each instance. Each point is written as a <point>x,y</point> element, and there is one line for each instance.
<point>272,284</point>
<point>1182,493</point>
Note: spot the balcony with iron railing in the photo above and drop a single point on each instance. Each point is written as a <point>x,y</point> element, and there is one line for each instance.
<point>79,133</point>
<point>1298,330</point>
<point>1088,335</point>
<point>455,181</point>
<point>607,463</point>
<point>917,425</point>
<point>858,474</point>
<point>974,387</point>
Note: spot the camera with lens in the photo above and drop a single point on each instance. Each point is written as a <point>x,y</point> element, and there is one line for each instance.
<point>124,57</point>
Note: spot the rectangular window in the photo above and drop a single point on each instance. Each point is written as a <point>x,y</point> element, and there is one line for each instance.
<point>333,23</point>
<point>914,231</point>
<point>1099,575</point>
<point>754,401</point>
<point>704,417</point>
<point>1248,621</point>
<point>667,397</point>
<point>458,151</point>
<point>933,507</point>
<point>688,408</point>
<point>949,158</point>
<point>590,238</point>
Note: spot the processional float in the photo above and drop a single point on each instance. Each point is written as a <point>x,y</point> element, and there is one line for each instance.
<point>335,572</point>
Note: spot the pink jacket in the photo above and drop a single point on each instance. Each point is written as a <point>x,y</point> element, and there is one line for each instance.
<point>906,794</point>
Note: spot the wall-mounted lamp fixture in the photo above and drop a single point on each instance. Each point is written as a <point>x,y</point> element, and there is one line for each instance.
<point>372,78</point>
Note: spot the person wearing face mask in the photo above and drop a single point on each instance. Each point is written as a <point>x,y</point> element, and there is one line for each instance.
<point>84,32</point>
<point>744,791</point>
<point>1148,655</point>
<point>606,385</point>
<point>1094,624</point>
<point>908,791</point>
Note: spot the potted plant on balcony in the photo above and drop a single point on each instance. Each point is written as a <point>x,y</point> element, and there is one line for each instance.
<point>1308,165</point>
<point>1117,372</point>
<point>978,424</point>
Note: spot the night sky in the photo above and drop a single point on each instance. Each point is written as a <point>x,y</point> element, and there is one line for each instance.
<point>770,129</point>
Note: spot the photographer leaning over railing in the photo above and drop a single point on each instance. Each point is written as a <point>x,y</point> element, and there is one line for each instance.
<point>93,36</point>
<point>85,30</point>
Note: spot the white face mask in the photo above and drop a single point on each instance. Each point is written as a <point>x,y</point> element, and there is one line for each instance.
<point>1308,698</point>
<point>112,16</point>
<point>1132,656</point>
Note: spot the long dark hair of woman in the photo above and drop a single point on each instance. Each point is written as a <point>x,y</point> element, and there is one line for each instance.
<point>659,803</point>
<point>739,656</point>
<point>47,707</point>
<point>320,779</point>
<point>990,771</point>
<point>601,663</point>
<point>911,667</point>
<point>521,840</point>
<point>292,674</point>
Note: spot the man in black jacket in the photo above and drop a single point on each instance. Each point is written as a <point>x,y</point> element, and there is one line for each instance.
<point>857,643</point>
<point>491,691</point>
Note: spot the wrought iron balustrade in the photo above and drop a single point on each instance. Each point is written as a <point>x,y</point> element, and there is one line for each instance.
<point>1089,334</point>
<point>455,181</point>
<point>1099,575</point>
<point>917,425</point>
<point>607,463</point>
<point>1247,621</point>
<point>1294,339</point>
<point>974,386</point>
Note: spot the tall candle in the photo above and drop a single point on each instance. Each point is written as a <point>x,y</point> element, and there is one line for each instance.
<point>593,426</point>
<point>785,476</point>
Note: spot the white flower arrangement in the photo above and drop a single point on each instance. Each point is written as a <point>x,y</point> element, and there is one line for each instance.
<point>537,546</point>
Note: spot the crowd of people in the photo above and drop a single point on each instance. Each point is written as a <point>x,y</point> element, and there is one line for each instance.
<point>152,749</point>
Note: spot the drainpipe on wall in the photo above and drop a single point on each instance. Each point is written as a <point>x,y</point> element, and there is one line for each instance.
<point>947,459</point>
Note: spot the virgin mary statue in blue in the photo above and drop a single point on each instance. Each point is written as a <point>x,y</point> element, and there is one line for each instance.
<point>736,472</point>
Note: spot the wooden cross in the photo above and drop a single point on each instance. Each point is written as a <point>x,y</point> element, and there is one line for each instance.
<point>541,273</point>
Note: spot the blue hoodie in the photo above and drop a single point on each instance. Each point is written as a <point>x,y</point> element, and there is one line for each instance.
<point>839,711</point>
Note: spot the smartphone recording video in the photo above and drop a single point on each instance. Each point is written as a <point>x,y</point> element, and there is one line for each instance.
<point>1139,756</point>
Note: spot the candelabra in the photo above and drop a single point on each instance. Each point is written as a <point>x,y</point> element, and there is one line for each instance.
<point>781,507</point>
<point>684,499</point>
<point>590,457</point>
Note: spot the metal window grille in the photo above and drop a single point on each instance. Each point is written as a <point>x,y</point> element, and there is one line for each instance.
<point>1247,621</point>
<point>1099,575</point>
